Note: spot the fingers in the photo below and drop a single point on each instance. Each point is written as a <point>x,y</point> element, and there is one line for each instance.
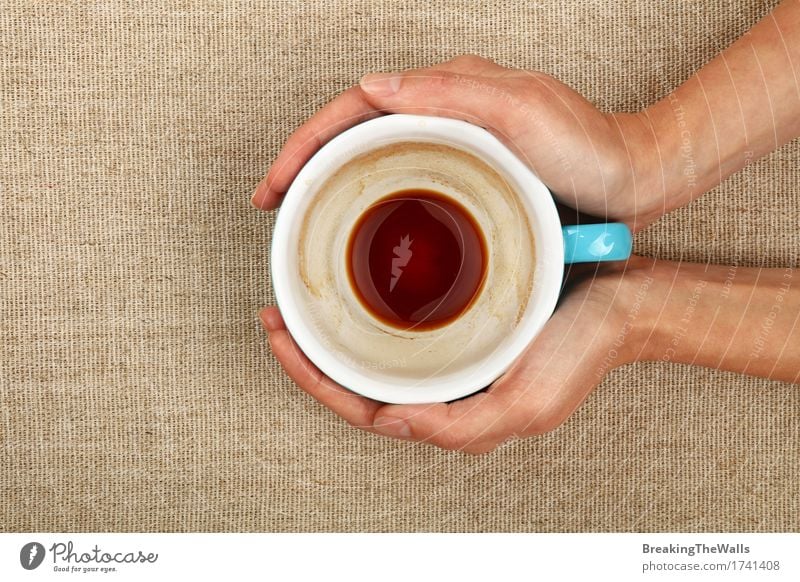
<point>556,372</point>
<point>447,90</point>
<point>354,106</point>
<point>345,111</point>
<point>355,409</point>
<point>520,403</point>
<point>272,319</point>
<point>544,386</point>
<point>474,425</point>
<point>471,65</point>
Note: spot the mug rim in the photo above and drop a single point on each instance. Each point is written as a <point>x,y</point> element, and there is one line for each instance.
<point>537,203</point>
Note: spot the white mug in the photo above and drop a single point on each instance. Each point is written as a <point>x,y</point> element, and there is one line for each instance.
<point>554,245</point>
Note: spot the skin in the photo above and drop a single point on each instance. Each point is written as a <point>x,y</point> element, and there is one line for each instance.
<point>627,167</point>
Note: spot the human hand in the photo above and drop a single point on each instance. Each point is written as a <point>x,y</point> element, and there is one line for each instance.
<point>546,384</point>
<point>586,157</point>
<point>579,152</point>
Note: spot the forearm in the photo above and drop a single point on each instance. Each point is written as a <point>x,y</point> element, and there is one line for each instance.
<point>733,318</point>
<point>738,107</point>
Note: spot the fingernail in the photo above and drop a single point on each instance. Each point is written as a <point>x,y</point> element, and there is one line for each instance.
<point>393,427</point>
<point>381,84</point>
<point>253,197</point>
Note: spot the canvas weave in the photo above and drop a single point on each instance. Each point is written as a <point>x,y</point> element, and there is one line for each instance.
<point>136,389</point>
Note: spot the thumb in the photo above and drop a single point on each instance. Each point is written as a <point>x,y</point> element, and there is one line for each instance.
<point>437,92</point>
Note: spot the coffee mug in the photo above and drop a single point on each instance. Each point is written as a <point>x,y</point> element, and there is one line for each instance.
<point>526,248</point>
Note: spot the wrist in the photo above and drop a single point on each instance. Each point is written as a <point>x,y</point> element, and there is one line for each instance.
<point>679,308</point>
<point>621,293</point>
<point>727,317</point>
<point>684,152</point>
<point>657,314</point>
<point>643,136</point>
<point>635,307</point>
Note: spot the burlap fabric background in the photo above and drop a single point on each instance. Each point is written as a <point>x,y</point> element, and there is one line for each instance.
<point>136,389</point>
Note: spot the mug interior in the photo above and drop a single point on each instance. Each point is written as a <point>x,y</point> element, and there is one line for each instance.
<point>386,380</point>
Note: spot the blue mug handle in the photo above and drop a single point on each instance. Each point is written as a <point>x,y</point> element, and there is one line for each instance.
<point>590,243</point>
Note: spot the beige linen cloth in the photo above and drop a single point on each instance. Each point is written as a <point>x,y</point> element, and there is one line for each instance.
<point>136,388</point>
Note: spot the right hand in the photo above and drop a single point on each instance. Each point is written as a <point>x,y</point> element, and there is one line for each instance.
<point>544,386</point>
<point>584,156</point>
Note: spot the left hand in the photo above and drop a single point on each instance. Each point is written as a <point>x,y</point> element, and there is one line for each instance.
<point>545,385</point>
<point>590,160</point>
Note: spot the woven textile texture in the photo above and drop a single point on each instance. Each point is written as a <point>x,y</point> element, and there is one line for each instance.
<point>136,388</point>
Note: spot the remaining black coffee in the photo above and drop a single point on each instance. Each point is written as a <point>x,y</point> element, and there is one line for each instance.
<point>416,259</point>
